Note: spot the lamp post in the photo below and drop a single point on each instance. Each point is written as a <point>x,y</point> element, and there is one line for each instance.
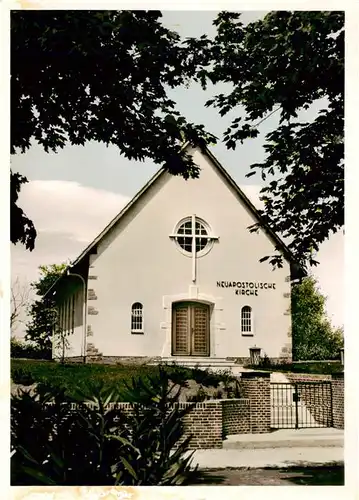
<point>75,275</point>
<point>254,353</point>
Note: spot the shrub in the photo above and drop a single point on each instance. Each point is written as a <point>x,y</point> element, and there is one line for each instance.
<point>265,362</point>
<point>314,367</point>
<point>21,349</point>
<point>97,446</point>
<point>72,376</point>
<point>199,397</point>
<point>22,377</point>
<point>226,383</point>
<point>204,377</point>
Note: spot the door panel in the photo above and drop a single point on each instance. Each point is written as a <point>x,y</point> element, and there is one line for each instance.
<point>181,331</point>
<point>190,329</point>
<point>200,330</point>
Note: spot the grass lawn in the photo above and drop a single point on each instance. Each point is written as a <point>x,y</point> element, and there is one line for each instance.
<point>76,376</point>
<point>80,377</point>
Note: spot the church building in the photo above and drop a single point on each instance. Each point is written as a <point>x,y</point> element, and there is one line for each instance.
<point>176,275</point>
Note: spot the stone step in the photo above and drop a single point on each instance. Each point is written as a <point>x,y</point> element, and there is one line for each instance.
<point>93,354</point>
<point>213,364</point>
<point>91,348</point>
<point>197,360</point>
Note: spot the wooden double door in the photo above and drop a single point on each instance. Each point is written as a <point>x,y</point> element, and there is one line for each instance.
<point>190,329</point>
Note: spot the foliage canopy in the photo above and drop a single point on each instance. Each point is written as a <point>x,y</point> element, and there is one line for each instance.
<point>104,76</point>
<point>42,312</point>
<point>286,62</point>
<point>313,336</point>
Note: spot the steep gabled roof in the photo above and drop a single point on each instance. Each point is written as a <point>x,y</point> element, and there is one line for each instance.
<point>114,221</point>
<point>280,245</point>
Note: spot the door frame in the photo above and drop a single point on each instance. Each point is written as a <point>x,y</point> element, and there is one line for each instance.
<point>190,304</point>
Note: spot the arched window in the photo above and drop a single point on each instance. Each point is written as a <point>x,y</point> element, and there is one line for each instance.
<point>246,320</point>
<point>137,318</point>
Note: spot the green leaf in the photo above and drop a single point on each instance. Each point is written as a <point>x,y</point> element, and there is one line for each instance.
<point>129,468</point>
<point>40,476</point>
<point>123,441</point>
<point>27,455</point>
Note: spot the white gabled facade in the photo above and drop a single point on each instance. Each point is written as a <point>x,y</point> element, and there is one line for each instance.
<point>143,270</point>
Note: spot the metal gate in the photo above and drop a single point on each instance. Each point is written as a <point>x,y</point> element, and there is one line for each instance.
<point>301,405</point>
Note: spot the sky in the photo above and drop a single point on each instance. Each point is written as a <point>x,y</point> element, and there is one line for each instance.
<point>73,194</point>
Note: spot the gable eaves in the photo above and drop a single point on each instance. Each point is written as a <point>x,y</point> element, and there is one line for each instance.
<point>296,268</point>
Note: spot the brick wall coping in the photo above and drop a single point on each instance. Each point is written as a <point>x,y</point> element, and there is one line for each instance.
<point>320,377</point>
<point>236,400</point>
<point>255,374</point>
<point>202,404</point>
<point>309,377</point>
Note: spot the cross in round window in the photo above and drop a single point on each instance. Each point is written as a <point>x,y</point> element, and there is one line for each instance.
<point>186,237</point>
<point>194,238</point>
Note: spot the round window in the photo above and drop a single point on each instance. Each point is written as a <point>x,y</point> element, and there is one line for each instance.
<point>191,233</point>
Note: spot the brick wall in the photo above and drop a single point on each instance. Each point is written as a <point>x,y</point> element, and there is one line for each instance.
<point>236,416</point>
<point>256,387</point>
<point>203,422</point>
<point>338,400</point>
<point>207,422</point>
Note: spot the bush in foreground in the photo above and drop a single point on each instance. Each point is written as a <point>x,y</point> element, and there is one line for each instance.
<point>22,377</point>
<point>56,445</point>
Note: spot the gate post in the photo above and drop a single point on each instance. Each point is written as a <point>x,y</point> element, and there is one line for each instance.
<point>256,387</point>
<point>337,383</point>
<point>296,397</point>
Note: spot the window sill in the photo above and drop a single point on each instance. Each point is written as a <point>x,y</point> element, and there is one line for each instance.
<point>137,332</point>
<point>247,335</point>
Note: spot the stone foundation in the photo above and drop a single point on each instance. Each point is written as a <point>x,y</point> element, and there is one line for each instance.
<point>243,361</point>
<point>95,357</point>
